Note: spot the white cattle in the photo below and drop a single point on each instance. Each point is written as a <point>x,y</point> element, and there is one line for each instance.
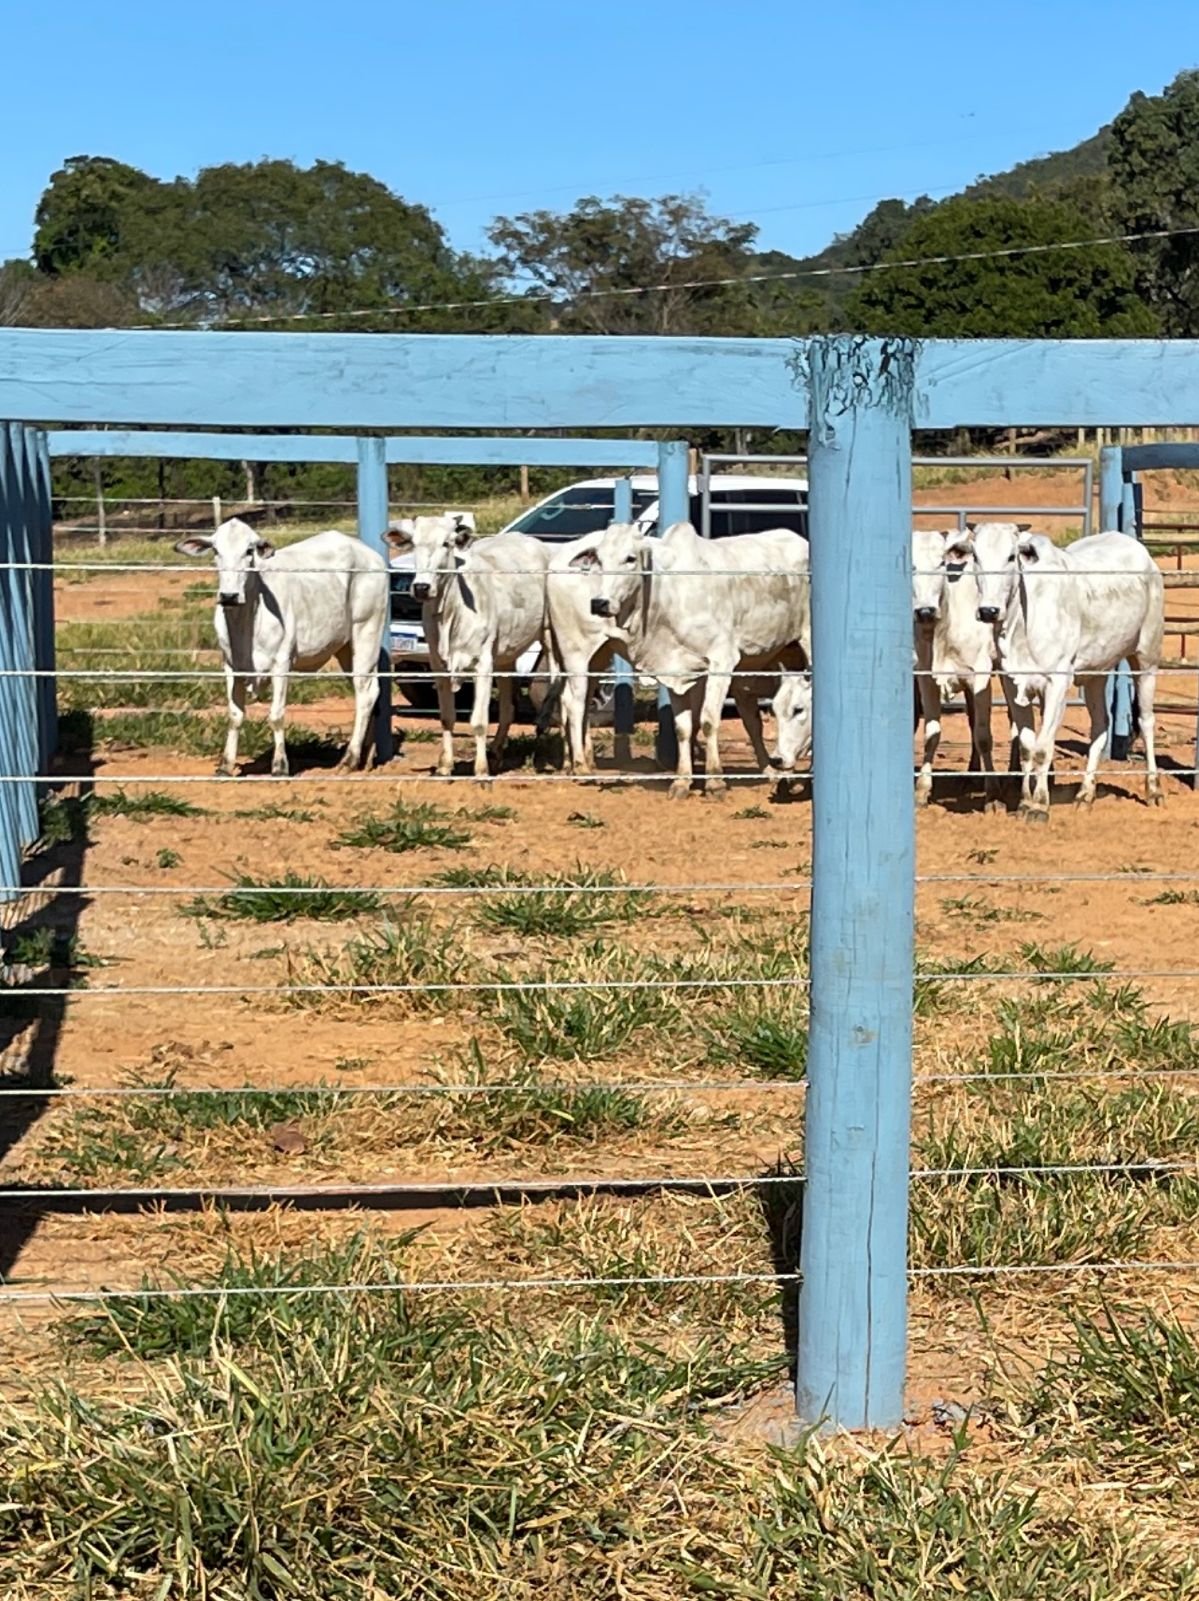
<point>955,652</point>
<point>483,606</point>
<point>1069,614</point>
<point>792,708</point>
<point>697,615</point>
<point>291,610</point>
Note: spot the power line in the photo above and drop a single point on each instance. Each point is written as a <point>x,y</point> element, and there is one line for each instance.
<point>549,297</point>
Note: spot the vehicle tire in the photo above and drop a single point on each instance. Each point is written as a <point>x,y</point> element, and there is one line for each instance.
<point>418,692</point>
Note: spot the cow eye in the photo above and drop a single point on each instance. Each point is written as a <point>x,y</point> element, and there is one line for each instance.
<point>629,561</point>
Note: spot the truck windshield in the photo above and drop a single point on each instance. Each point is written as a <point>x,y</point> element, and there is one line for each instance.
<point>576,512</point>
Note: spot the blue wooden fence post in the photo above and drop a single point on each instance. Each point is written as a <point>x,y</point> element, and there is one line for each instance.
<point>10,834</point>
<point>20,625</point>
<point>674,506</point>
<point>373,512</point>
<point>39,479</point>
<point>1115,513</point>
<point>622,694</point>
<point>853,1255</point>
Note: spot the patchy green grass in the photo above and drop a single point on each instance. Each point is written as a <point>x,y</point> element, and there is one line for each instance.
<point>976,909</point>
<point>564,905</point>
<point>190,734</point>
<point>167,859</point>
<point>283,900</point>
<point>585,1024</point>
<point>407,954</point>
<point>406,826</point>
<point>143,805</point>
<point>763,1033</point>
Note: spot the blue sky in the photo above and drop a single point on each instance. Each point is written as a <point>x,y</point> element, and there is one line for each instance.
<point>799,117</point>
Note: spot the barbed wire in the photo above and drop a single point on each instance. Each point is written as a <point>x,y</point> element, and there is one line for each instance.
<point>551,297</point>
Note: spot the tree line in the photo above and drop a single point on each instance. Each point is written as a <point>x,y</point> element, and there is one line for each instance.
<point>270,244</point>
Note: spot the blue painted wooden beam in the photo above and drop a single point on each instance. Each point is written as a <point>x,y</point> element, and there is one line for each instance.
<point>623,699</point>
<point>373,513</point>
<point>469,450</point>
<point>674,506</point>
<point>1111,487</point>
<point>393,381</point>
<point>45,651</point>
<point>853,1300</point>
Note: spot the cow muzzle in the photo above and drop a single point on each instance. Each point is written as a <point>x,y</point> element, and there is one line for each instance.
<point>778,764</point>
<point>230,600</point>
<point>988,614</point>
<point>601,606</point>
<point>421,592</point>
<point>926,616</point>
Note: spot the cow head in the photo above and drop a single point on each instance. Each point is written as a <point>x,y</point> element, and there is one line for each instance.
<point>792,708</point>
<point>997,551</point>
<point>616,561</point>
<point>433,546</point>
<point>938,560</point>
<point>236,550</point>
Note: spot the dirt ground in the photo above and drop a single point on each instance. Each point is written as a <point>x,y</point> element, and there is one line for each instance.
<point>986,883</point>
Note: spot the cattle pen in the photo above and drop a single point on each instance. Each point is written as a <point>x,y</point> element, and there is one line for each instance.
<point>741,1039</point>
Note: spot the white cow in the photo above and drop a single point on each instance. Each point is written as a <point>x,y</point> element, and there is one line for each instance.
<point>954,650</point>
<point>483,606</point>
<point>1066,614</point>
<point>697,615</point>
<point>792,708</point>
<point>293,609</point>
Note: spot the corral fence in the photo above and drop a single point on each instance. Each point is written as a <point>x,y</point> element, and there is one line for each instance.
<point>860,399</point>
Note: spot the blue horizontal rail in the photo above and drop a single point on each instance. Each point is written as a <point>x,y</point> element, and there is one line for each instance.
<point>466,451</point>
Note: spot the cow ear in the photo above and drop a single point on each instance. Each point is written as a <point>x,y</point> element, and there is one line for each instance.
<point>399,535</point>
<point>194,545</point>
<point>1027,547</point>
<point>462,538</point>
<point>464,527</point>
<point>960,544</point>
<point>585,562</point>
<point>1023,528</point>
<point>264,548</point>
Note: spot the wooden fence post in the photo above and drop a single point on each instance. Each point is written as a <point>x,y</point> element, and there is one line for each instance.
<point>98,484</point>
<point>623,710</point>
<point>20,627</point>
<point>10,832</point>
<point>1115,513</point>
<point>853,1258</point>
<point>674,506</point>
<point>40,484</point>
<point>373,511</point>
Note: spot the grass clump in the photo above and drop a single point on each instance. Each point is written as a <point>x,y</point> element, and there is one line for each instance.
<point>407,826</point>
<point>586,1024</point>
<point>142,806</point>
<point>521,1107</point>
<point>283,900</point>
<point>767,1035</point>
<point>412,952</point>
<point>571,904</point>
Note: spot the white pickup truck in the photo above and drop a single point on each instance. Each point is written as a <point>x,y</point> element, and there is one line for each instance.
<point>737,504</point>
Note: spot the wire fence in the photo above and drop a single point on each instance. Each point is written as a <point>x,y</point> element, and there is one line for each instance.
<point>67,997</point>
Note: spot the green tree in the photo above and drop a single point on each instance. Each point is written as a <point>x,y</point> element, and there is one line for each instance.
<point>1153,162</point>
<point>261,240</point>
<point>83,217</point>
<point>622,265</point>
<point>1051,294</point>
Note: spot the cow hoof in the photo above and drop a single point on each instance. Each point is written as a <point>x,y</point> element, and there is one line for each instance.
<point>680,789</point>
<point>1035,814</point>
<point>279,769</point>
<point>1157,798</point>
<point>994,806</point>
<point>222,771</point>
<point>715,788</point>
<point>1084,802</point>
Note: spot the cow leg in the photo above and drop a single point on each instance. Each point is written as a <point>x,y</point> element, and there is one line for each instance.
<point>507,707</point>
<point>1146,694</point>
<point>355,661</point>
<point>1054,704</point>
<point>235,694</point>
<point>278,716</point>
<point>715,694</point>
<point>930,710</point>
<point>1096,702</point>
<point>1025,742</point>
<point>984,744</point>
<point>746,701</point>
<point>447,711</point>
<point>684,727</point>
<point>481,712</point>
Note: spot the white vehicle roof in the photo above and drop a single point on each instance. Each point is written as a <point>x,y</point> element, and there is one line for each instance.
<point>648,482</point>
